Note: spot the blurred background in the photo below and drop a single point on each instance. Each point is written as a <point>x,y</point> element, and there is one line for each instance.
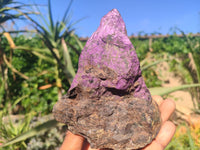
<point>41,41</point>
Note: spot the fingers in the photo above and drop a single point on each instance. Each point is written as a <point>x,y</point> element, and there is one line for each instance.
<point>166,107</point>
<point>165,134</point>
<point>167,130</point>
<point>75,142</point>
<point>154,146</point>
<point>72,142</point>
<point>158,99</point>
<point>163,138</point>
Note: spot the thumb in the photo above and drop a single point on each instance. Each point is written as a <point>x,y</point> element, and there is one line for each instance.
<point>72,142</point>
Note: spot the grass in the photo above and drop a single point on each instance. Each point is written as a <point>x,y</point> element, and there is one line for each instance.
<point>186,138</point>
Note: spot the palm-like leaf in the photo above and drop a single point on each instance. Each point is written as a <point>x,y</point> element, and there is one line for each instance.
<point>152,64</point>
<point>32,132</point>
<point>11,10</point>
<point>194,47</point>
<point>52,33</point>
<point>4,3</point>
<point>167,90</point>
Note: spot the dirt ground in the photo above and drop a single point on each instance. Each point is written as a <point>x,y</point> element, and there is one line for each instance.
<point>183,99</point>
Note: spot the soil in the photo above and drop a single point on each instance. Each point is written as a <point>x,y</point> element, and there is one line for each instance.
<point>183,99</point>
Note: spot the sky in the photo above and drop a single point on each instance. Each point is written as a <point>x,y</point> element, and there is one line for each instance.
<point>147,16</point>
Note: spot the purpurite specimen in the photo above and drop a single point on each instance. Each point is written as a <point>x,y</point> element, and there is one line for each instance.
<point>108,102</point>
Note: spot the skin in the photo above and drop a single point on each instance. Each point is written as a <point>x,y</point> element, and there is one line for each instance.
<point>167,107</point>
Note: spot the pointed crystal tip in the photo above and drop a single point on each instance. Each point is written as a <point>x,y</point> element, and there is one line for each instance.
<point>112,23</point>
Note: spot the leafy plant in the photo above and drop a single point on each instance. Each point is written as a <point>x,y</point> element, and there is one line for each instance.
<point>58,37</point>
<point>10,129</point>
<point>11,10</point>
<point>54,36</point>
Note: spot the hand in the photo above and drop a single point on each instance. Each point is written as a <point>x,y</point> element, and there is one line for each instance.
<point>167,107</point>
<point>167,130</point>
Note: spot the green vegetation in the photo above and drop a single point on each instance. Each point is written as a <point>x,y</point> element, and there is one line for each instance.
<point>36,70</point>
<point>186,138</point>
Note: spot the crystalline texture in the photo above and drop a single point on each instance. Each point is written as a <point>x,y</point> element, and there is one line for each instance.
<point>108,102</point>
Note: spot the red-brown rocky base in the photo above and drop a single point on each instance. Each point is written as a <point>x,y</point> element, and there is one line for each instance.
<point>117,122</point>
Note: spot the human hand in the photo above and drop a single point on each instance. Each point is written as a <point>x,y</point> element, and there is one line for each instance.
<point>167,130</point>
<point>167,107</point>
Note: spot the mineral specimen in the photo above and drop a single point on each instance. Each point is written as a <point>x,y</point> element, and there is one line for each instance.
<point>108,102</point>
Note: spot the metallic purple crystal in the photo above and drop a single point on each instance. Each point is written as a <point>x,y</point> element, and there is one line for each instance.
<point>110,47</point>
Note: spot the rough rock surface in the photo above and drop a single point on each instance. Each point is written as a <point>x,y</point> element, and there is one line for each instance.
<point>108,102</point>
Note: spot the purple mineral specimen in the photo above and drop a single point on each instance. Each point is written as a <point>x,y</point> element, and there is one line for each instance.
<point>108,102</point>
<point>110,47</point>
